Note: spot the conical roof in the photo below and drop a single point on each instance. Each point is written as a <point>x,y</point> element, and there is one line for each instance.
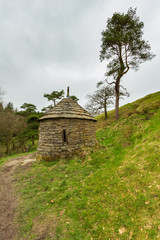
<point>68,108</point>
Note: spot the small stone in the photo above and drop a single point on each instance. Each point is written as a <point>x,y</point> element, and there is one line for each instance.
<point>122,230</point>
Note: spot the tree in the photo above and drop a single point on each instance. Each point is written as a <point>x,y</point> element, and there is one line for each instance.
<point>11,125</point>
<point>9,107</point>
<point>1,97</point>
<point>1,107</point>
<point>31,131</point>
<point>54,96</point>
<point>28,108</point>
<point>100,99</point>
<point>32,116</point>
<point>123,46</point>
<point>74,98</point>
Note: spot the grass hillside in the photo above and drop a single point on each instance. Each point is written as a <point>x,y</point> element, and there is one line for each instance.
<point>111,193</point>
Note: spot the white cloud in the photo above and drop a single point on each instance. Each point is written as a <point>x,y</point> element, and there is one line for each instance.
<point>46,45</point>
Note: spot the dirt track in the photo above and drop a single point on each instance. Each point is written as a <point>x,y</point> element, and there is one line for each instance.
<point>8,199</point>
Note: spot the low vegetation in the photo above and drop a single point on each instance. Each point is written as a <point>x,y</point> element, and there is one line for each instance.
<point>18,129</point>
<point>109,193</point>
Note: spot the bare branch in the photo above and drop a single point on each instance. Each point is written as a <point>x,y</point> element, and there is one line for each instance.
<point>114,82</point>
<point>127,93</point>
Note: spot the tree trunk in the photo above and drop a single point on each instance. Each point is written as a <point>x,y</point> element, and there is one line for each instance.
<point>105,110</point>
<point>22,145</point>
<point>117,99</point>
<point>105,114</point>
<point>13,145</point>
<point>117,107</point>
<point>7,147</point>
<point>105,105</point>
<point>33,141</point>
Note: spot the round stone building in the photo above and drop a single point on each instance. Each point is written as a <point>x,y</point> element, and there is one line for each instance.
<point>64,129</point>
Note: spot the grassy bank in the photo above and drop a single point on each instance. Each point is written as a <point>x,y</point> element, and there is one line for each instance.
<point>111,193</point>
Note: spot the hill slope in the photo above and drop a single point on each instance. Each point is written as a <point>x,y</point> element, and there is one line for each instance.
<point>110,193</point>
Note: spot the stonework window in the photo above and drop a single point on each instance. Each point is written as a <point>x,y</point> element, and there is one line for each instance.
<point>64,136</point>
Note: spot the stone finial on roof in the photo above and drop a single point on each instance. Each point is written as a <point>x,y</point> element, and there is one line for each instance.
<point>67,91</point>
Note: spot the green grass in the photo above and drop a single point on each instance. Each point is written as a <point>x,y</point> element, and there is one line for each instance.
<point>111,194</point>
<point>18,150</point>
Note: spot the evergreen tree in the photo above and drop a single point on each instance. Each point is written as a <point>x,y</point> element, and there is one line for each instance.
<point>124,48</point>
<point>54,96</point>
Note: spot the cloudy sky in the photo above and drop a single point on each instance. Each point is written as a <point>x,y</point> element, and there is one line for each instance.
<point>47,45</point>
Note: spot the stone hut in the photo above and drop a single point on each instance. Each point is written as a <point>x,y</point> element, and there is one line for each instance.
<point>64,129</point>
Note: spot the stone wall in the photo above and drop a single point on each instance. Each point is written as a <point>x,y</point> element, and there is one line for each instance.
<point>62,138</point>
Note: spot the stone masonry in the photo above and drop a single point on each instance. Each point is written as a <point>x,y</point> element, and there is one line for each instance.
<point>64,129</point>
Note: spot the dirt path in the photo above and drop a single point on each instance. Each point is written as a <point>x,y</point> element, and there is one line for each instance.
<point>8,203</point>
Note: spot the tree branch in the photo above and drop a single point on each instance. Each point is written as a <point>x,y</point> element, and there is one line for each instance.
<point>114,82</point>
<point>126,60</point>
<point>127,93</point>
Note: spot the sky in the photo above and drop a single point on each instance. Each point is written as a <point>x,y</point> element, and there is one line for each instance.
<point>47,45</point>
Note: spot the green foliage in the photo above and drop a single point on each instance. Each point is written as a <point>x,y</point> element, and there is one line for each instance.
<point>28,109</point>
<point>111,194</point>
<point>31,132</point>
<point>122,43</point>
<point>33,118</point>
<point>55,95</point>
<point>74,98</point>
